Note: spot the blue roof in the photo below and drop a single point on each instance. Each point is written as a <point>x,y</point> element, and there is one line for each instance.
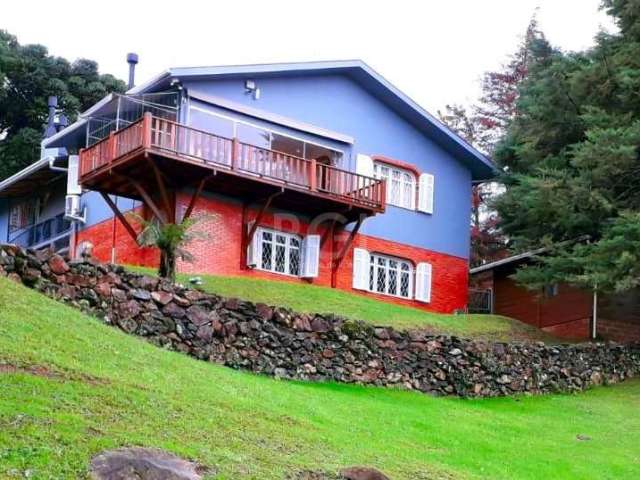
<point>480,166</point>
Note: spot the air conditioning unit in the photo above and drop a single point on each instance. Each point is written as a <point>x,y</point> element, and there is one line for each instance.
<point>72,210</point>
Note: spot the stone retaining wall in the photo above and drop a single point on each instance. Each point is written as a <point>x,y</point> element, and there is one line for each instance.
<point>278,342</point>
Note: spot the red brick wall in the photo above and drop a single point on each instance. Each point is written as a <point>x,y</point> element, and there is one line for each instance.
<point>127,252</point>
<point>218,252</point>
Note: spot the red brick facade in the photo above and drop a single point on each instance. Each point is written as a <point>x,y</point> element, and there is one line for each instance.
<point>219,252</point>
<point>110,239</point>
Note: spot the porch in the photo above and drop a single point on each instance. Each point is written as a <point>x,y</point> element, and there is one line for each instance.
<point>155,154</point>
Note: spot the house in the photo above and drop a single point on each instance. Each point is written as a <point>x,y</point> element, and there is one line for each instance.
<point>560,309</point>
<point>318,172</point>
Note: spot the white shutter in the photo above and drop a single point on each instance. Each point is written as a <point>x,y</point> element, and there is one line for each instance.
<point>360,269</point>
<point>423,282</point>
<point>254,250</point>
<point>310,256</point>
<point>425,193</point>
<point>73,174</point>
<point>364,165</point>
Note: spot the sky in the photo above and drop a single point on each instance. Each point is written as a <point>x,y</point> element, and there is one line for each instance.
<point>436,52</point>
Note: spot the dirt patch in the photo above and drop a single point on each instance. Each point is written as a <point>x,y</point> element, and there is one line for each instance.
<point>11,368</point>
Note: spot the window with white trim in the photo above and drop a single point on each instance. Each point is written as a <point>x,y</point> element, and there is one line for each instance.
<point>390,276</point>
<point>279,252</point>
<point>401,185</point>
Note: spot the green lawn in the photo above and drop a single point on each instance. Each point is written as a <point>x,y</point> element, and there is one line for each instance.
<point>105,389</point>
<point>315,299</point>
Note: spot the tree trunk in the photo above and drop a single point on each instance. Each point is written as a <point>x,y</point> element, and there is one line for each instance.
<point>167,265</point>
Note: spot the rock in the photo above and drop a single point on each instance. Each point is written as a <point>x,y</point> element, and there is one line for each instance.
<point>362,473</point>
<point>140,294</point>
<point>58,265</point>
<point>455,352</point>
<point>118,295</point>
<point>161,298</point>
<point>583,438</point>
<point>147,283</point>
<point>319,324</point>
<point>173,310</point>
<point>264,311</point>
<point>31,276</point>
<point>205,333</point>
<point>302,323</point>
<point>197,315</point>
<point>381,333</point>
<point>136,463</point>
<point>129,309</point>
<point>103,289</point>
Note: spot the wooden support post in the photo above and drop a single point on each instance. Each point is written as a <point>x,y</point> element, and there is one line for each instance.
<point>120,216</point>
<point>338,260</point>
<point>163,190</point>
<point>195,196</point>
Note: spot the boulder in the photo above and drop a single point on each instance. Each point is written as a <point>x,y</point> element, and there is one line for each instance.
<point>136,463</point>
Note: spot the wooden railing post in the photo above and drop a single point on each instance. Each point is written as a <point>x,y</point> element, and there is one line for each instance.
<point>81,157</point>
<point>111,148</point>
<point>235,153</point>
<point>313,177</point>
<point>146,130</point>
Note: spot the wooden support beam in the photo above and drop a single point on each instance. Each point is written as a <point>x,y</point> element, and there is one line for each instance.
<point>147,199</point>
<point>338,260</point>
<point>264,207</point>
<point>195,196</point>
<point>163,189</point>
<point>328,232</point>
<point>116,211</point>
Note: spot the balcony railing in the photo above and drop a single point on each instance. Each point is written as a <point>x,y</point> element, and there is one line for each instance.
<point>179,141</point>
<point>53,232</point>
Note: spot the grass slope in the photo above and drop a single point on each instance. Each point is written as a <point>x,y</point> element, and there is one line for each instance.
<point>317,299</point>
<point>104,389</point>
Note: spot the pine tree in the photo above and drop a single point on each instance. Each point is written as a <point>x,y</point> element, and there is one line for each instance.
<point>573,159</point>
<point>483,125</point>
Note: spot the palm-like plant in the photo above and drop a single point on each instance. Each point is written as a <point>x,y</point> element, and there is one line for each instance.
<point>170,239</point>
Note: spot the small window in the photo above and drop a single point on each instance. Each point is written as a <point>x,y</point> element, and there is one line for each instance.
<point>279,252</point>
<point>22,215</point>
<point>401,185</point>
<point>390,276</point>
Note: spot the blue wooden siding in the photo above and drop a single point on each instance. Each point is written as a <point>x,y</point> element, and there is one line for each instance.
<point>337,103</point>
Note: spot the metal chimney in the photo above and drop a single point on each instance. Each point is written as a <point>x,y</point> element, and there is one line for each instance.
<point>132,60</point>
<point>52,104</point>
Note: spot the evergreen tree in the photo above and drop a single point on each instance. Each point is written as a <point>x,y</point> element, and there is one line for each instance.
<point>572,155</point>
<point>28,76</point>
<point>483,125</point>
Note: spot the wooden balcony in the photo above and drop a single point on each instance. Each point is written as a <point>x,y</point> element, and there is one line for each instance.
<point>184,156</point>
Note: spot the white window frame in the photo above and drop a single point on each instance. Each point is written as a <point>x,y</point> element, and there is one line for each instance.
<point>374,269</point>
<point>405,195</point>
<point>287,255</point>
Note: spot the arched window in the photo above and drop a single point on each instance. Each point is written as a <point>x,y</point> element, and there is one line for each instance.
<point>401,184</point>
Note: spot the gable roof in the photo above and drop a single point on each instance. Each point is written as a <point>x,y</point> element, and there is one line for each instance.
<point>480,166</point>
